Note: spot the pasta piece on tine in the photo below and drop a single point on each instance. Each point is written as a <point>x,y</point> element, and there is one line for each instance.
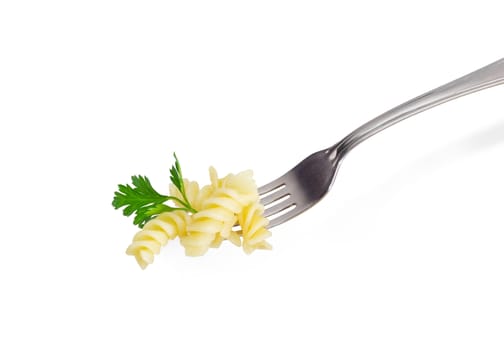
<point>214,223</point>
<point>253,225</point>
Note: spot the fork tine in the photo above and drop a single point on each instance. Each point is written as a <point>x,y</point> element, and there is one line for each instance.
<point>286,216</point>
<point>271,186</point>
<point>277,208</point>
<point>300,188</point>
<point>272,197</point>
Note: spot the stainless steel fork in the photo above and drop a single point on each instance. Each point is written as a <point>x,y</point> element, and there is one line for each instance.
<point>305,184</point>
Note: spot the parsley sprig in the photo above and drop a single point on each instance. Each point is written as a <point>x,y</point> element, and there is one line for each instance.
<point>145,202</point>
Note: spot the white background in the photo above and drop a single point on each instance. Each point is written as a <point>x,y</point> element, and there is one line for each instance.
<point>406,252</point>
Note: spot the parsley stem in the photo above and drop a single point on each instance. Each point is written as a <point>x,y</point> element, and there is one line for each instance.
<point>175,199</point>
<point>184,203</point>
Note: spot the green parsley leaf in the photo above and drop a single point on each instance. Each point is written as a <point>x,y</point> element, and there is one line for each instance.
<point>145,202</point>
<point>176,175</point>
<point>178,180</point>
<point>138,199</point>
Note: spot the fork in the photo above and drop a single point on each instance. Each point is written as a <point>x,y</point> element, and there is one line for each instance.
<point>308,182</point>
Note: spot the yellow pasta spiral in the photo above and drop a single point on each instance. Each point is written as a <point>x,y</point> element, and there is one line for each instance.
<point>155,234</point>
<point>220,205</point>
<point>214,222</point>
<point>203,229</point>
<point>253,225</point>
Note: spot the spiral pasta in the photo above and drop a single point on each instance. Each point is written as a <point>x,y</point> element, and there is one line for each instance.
<point>214,222</point>
<point>219,206</point>
<point>155,234</point>
<point>253,225</point>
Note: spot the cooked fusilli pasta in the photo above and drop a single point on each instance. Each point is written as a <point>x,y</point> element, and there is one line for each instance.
<point>155,234</point>
<point>215,221</point>
<point>220,206</point>
<point>253,225</point>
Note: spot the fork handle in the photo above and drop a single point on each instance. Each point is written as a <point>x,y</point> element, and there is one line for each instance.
<point>483,78</point>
